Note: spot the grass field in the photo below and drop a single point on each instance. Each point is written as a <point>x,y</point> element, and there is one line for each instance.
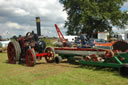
<point>56,74</point>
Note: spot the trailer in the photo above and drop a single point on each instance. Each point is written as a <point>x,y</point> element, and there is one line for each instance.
<point>95,57</point>
<point>116,57</point>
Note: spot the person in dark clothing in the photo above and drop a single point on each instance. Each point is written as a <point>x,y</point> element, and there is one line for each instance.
<point>83,39</point>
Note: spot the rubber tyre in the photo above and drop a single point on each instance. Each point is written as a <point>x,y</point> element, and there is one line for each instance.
<point>124,70</point>
<point>18,50</point>
<point>13,51</point>
<point>58,59</point>
<point>30,57</point>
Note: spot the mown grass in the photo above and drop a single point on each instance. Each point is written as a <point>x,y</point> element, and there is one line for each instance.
<point>56,74</point>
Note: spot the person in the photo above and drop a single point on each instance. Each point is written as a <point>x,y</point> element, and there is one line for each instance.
<point>83,38</point>
<point>67,44</point>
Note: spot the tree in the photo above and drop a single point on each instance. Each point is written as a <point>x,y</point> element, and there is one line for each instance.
<point>0,37</point>
<point>14,37</point>
<point>94,15</point>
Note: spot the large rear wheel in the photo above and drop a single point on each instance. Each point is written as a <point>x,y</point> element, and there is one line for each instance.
<point>13,51</point>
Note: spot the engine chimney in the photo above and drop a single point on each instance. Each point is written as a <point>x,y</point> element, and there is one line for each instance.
<point>38,26</point>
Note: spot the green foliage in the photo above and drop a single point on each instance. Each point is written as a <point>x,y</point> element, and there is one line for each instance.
<point>0,45</point>
<point>94,15</point>
<point>48,42</point>
<point>0,37</point>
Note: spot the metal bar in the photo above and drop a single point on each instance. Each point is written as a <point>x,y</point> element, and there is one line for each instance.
<point>114,65</point>
<point>117,60</point>
<point>42,54</point>
<point>59,33</point>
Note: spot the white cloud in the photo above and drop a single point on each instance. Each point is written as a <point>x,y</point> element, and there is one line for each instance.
<point>117,30</point>
<point>18,16</point>
<point>35,7</point>
<point>21,12</point>
<point>13,25</point>
<point>125,4</point>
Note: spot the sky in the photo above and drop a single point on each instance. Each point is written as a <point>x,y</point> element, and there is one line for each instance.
<point>17,17</point>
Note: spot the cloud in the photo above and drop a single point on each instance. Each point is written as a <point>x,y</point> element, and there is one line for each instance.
<point>125,4</point>
<point>18,16</point>
<point>13,25</point>
<point>11,28</point>
<point>125,7</point>
<point>21,12</point>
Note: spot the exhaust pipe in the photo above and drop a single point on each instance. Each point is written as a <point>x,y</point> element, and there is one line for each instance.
<point>38,26</point>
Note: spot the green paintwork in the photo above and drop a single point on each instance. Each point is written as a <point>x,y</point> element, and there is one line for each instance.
<point>106,63</point>
<point>125,56</point>
<point>114,65</point>
<point>118,61</point>
<point>114,62</point>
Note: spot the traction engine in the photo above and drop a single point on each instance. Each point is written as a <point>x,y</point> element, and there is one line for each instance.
<point>29,48</point>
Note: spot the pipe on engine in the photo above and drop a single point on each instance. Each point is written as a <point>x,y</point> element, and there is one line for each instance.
<point>38,26</point>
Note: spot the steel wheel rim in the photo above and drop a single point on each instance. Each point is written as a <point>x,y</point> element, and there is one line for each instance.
<point>50,57</point>
<point>11,53</point>
<point>29,58</point>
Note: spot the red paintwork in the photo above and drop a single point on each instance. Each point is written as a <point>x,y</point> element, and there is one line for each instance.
<point>29,57</point>
<point>22,39</point>
<point>109,54</point>
<point>11,53</point>
<point>94,58</point>
<point>79,49</point>
<point>50,57</point>
<point>42,54</point>
<point>60,34</point>
<point>121,59</point>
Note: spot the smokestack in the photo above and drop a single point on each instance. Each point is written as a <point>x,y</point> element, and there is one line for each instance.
<point>38,26</point>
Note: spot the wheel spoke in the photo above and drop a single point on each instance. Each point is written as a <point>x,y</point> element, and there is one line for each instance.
<point>30,57</point>
<point>50,57</point>
<point>11,53</point>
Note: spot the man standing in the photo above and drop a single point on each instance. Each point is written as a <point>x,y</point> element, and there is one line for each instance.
<point>83,39</point>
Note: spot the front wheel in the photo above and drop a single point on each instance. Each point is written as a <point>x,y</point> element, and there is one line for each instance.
<point>30,57</point>
<point>50,57</point>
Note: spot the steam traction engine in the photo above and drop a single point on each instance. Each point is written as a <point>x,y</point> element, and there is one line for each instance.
<point>29,48</point>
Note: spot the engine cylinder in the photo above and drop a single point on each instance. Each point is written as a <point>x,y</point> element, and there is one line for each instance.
<point>40,46</point>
